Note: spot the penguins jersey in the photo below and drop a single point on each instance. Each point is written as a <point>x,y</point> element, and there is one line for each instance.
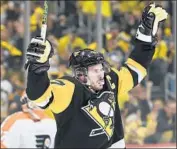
<point>87,119</point>
<point>20,131</point>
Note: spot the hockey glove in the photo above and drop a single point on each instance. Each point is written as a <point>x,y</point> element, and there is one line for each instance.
<point>151,17</point>
<point>38,54</point>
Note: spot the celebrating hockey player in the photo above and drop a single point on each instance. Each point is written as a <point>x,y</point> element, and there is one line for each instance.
<point>86,106</point>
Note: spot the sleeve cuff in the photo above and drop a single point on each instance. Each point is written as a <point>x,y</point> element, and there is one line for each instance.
<point>143,37</point>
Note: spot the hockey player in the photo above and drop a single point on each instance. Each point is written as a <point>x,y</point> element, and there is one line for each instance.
<point>29,128</point>
<point>86,106</point>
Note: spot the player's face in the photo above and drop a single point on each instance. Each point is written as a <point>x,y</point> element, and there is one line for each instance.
<point>96,77</point>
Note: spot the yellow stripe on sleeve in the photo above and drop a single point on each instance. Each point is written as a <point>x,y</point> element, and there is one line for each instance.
<point>62,92</point>
<point>135,66</point>
<point>62,95</point>
<point>44,99</point>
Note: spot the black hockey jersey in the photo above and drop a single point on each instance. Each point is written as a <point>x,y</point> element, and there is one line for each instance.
<point>86,119</point>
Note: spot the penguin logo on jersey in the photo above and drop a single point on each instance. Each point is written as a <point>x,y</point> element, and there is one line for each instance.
<point>102,110</point>
<point>43,141</point>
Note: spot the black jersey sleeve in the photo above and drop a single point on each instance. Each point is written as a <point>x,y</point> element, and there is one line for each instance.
<point>134,69</point>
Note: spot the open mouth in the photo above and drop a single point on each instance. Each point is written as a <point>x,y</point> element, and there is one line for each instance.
<point>101,82</point>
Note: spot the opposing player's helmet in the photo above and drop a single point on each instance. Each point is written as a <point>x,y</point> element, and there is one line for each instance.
<point>80,60</point>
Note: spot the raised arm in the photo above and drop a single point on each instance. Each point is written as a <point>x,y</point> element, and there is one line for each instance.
<point>43,92</point>
<point>134,69</point>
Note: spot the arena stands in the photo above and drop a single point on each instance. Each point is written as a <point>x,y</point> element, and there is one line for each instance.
<point>146,108</point>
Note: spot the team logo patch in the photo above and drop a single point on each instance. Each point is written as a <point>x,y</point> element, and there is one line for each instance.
<point>102,110</point>
<point>43,141</point>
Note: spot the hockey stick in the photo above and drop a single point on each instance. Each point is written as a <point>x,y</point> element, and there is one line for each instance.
<point>44,21</point>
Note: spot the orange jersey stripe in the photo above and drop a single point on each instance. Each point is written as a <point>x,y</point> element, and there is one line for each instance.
<point>19,116</point>
<point>3,146</point>
<point>10,120</point>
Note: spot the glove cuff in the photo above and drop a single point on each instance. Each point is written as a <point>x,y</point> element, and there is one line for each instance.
<point>39,68</point>
<point>143,37</point>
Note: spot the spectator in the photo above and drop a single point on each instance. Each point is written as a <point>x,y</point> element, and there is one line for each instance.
<point>89,9</point>
<point>16,80</point>
<point>105,41</point>
<point>115,59</point>
<point>123,45</point>
<point>118,17</point>
<point>10,54</point>
<point>165,130</point>
<point>67,43</point>
<point>134,131</point>
<point>60,27</point>
<point>131,106</point>
<point>151,121</point>
<point>36,19</point>
<point>13,11</point>
<point>6,90</point>
<point>159,66</point>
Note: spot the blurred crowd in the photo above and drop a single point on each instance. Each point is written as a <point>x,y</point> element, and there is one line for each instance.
<point>147,115</point>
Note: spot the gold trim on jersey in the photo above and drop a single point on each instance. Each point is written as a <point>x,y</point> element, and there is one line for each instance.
<point>44,99</point>
<point>125,81</point>
<point>138,68</point>
<point>62,91</point>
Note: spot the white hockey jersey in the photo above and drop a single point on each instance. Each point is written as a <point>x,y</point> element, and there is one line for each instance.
<point>20,131</point>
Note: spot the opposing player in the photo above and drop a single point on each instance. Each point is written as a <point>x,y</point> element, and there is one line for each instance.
<point>30,128</point>
<point>86,106</point>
